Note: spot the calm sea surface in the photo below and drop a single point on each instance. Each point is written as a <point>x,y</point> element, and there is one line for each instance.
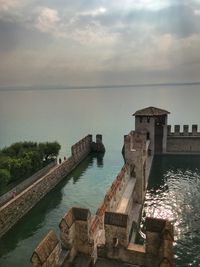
<point>67,116</point>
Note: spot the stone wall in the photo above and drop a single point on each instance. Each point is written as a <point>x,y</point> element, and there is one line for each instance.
<point>47,253</point>
<point>17,207</point>
<point>156,252</point>
<point>142,124</point>
<point>111,199</point>
<point>81,233</point>
<point>136,147</point>
<point>183,142</point>
<point>74,230</point>
<point>107,233</point>
<point>116,229</point>
<point>26,183</point>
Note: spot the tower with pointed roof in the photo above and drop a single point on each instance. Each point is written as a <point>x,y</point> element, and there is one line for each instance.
<point>153,121</point>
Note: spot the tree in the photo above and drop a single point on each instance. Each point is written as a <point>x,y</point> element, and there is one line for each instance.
<point>49,150</point>
<point>4,176</point>
<point>4,162</point>
<point>36,159</point>
<point>22,159</point>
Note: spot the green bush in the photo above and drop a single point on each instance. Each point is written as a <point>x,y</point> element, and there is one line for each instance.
<point>22,159</point>
<point>4,176</point>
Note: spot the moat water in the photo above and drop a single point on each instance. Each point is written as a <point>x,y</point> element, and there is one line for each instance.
<point>173,193</point>
<point>84,187</point>
<point>67,116</point>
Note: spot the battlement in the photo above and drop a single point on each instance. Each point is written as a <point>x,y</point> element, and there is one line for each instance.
<point>110,229</point>
<point>183,141</point>
<point>116,189</point>
<point>111,199</point>
<point>135,140</point>
<point>47,252</point>
<point>184,132</point>
<point>82,146</point>
<point>74,228</point>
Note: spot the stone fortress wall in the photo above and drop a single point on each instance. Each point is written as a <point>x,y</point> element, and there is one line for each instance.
<point>13,210</point>
<point>183,142</point>
<point>111,232</point>
<point>107,233</point>
<point>26,183</point>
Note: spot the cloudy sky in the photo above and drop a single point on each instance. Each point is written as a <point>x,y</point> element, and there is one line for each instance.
<point>98,42</point>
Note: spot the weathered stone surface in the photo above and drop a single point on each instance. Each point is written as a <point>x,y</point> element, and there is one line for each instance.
<point>47,253</point>
<point>74,231</point>
<point>98,146</point>
<point>183,144</point>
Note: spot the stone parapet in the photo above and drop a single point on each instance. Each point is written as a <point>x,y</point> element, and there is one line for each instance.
<point>184,132</point>
<point>74,230</point>
<point>98,146</point>
<point>47,253</point>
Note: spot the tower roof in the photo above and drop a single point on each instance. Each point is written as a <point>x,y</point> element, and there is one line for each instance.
<point>151,111</point>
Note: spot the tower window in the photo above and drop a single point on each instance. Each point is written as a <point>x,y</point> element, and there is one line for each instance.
<point>148,119</point>
<point>140,119</point>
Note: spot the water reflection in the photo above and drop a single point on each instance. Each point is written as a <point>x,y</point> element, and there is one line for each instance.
<point>88,162</point>
<point>99,157</point>
<point>173,194</point>
<point>29,224</point>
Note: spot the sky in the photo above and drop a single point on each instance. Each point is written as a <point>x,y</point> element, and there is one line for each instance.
<point>98,42</point>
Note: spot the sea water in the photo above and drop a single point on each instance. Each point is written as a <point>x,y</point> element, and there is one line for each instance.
<point>68,115</point>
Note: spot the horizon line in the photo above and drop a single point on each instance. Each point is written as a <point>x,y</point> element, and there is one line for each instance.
<point>62,87</point>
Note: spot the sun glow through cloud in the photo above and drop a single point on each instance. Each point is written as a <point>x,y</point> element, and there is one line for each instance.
<point>107,42</point>
<point>142,4</point>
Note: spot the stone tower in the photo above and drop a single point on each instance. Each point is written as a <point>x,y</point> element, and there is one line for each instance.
<point>153,121</point>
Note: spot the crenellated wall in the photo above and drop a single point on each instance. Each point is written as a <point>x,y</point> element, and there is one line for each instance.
<point>81,148</point>
<point>74,229</point>
<point>157,252</point>
<point>48,252</point>
<point>16,208</point>
<point>137,154</point>
<point>183,141</point>
<point>107,233</point>
<point>184,132</point>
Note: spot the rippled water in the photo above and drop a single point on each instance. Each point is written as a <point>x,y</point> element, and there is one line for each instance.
<point>174,194</point>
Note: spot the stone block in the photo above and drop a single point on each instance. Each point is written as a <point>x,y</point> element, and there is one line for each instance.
<point>177,129</point>
<point>185,129</point>
<point>169,128</point>
<point>194,129</point>
<point>47,252</point>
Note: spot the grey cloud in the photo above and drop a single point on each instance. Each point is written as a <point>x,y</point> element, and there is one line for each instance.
<point>177,19</point>
<point>16,35</point>
<point>128,43</point>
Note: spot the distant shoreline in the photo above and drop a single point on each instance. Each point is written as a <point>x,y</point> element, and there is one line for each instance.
<point>55,87</point>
